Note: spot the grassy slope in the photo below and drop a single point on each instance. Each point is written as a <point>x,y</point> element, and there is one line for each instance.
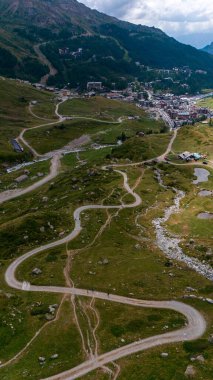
<point>186,222</point>
<point>7,180</point>
<point>140,149</point>
<point>49,138</point>
<point>195,139</point>
<point>15,98</point>
<point>208,102</point>
<point>22,232</point>
<point>122,324</point>
<point>99,107</point>
<point>54,137</point>
<point>136,271</point>
<point>59,337</point>
<point>141,272</point>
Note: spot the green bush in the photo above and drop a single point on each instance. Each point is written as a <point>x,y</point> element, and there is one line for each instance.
<point>117,330</point>
<point>196,346</point>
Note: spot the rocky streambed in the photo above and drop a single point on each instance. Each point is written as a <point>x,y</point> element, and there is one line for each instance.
<point>170,244</point>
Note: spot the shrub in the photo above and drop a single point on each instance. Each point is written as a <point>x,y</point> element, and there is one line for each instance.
<point>197,346</point>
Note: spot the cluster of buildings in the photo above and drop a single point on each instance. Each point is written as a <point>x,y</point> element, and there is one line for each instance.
<point>175,110</point>
<point>177,76</point>
<point>97,87</point>
<point>91,86</point>
<point>187,156</point>
<point>181,110</point>
<point>66,52</point>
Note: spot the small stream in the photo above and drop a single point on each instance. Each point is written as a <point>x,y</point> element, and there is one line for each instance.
<point>169,244</point>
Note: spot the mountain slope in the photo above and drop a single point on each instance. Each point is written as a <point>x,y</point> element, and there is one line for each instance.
<point>208,48</point>
<point>111,47</point>
<point>54,13</point>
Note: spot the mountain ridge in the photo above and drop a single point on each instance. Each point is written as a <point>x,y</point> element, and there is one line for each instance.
<point>208,48</point>
<point>103,38</point>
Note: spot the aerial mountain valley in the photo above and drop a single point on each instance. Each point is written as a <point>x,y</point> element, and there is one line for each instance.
<point>106,189</point>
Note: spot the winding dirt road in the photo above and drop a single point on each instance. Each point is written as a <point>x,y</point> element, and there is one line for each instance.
<point>195,326</point>
<point>54,167</point>
<point>12,194</point>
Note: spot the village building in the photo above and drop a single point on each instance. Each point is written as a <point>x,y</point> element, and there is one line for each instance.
<point>94,86</point>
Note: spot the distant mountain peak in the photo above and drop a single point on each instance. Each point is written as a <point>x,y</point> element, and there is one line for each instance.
<point>53,12</point>
<point>208,48</point>
<point>113,50</point>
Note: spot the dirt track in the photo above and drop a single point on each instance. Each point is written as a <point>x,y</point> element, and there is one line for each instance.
<point>196,324</point>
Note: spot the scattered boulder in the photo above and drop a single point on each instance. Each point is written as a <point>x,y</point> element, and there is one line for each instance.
<point>137,246</point>
<point>22,178</point>
<point>103,262</point>
<point>40,174</point>
<point>190,289</point>
<point>61,233</point>
<point>209,252</point>
<point>49,317</point>
<point>209,300</point>
<point>50,225</point>
<point>92,172</point>
<point>210,340</point>
<point>36,271</point>
<point>52,308</point>
<point>200,359</point>
<point>41,359</point>
<point>164,354</point>
<point>55,356</point>
<point>190,372</point>
<point>45,199</point>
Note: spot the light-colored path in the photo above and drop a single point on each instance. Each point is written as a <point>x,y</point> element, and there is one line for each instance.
<point>120,119</point>
<point>10,273</point>
<point>54,168</point>
<point>24,141</point>
<point>195,322</point>
<point>30,108</point>
<point>12,194</point>
<point>43,59</point>
<point>194,329</point>
<point>169,148</point>
<point>55,162</point>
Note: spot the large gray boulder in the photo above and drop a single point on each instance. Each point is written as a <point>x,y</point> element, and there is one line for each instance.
<point>190,372</point>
